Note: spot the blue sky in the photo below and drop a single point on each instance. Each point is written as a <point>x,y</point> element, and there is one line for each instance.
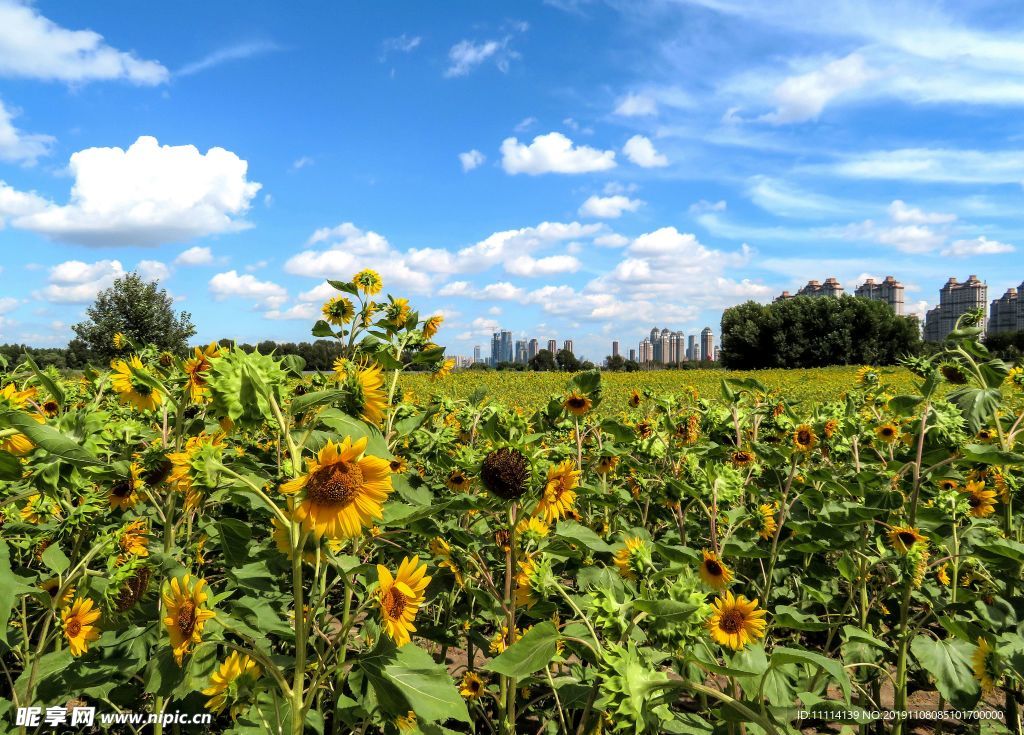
<point>566,169</point>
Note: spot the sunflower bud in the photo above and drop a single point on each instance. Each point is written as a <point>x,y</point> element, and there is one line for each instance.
<point>505,472</point>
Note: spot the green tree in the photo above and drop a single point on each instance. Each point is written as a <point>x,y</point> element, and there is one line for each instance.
<point>808,332</point>
<point>567,361</point>
<point>543,361</point>
<point>615,363</point>
<point>140,310</point>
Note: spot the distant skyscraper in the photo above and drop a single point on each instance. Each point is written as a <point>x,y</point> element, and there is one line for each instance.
<point>831,287</point>
<point>1007,312</point>
<point>615,348</point>
<point>533,349</point>
<point>567,345</point>
<point>476,354</point>
<point>693,351</point>
<point>552,346</point>
<point>521,357</point>
<point>645,353</point>
<point>955,299</point>
<point>501,347</point>
<point>495,348</point>
<point>707,344</point>
<point>890,291</point>
<point>632,355</point>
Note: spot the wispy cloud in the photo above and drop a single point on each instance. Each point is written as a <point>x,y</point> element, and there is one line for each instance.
<point>238,52</point>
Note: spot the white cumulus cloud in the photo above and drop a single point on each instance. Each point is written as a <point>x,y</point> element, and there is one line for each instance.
<point>553,153</point>
<point>471,159</point>
<point>524,265</point>
<point>17,146</point>
<point>153,270</point>
<point>78,282</point>
<point>147,195</point>
<point>803,97</point>
<point>980,245</point>
<point>231,284</point>
<point>636,105</point>
<point>34,47</point>
<point>609,207</point>
<point>195,256</point>
<point>640,150</point>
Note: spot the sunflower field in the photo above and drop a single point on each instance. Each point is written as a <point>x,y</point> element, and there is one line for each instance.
<point>224,533</point>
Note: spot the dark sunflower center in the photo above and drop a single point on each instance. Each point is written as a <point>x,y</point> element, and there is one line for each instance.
<point>187,617</point>
<point>732,621</point>
<point>395,466</point>
<point>457,479</point>
<point>122,488</point>
<point>577,402</point>
<point>907,538</point>
<point>974,501</point>
<point>74,627</point>
<point>336,484</point>
<point>803,436</point>
<point>474,686</point>
<point>713,567</point>
<point>394,603</point>
<point>887,431</point>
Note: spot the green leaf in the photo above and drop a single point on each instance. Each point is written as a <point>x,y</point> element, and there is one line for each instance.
<point>55,559</point>
<point>530,653</point>
<point>10,467</point>
<point>301,404</point>
<point>234,541</point>
<point>10,587</point>
<point>978,405</point>
<point>322,329</point>
<point>426,685</point>
<point>786,616</point>
<point>830,666</point>
<point>51,387</point>
<point>949,663</point>
<point>666,610</point>
<point>48,438</point>
<point>573,531</point>
<point>294,364</point>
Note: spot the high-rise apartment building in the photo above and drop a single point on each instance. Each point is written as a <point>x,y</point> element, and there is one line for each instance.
<point>521,356</point>
<point>693,350</point>
<point>707,344</point>
<point>552,347</point>
<point>831,287</point>
<point>501,347</point>
<point>645,353</point>
<point>615,348</point>
<point>476,354</point>
<point>955,299</point>
<point>632,355</point>
<point>532,349</point>
<point>567,346</point>
<point>890,291</point>
<point>1007,312</point>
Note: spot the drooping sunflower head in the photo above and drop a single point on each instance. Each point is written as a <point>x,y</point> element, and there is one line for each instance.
<point>559,492</point>
<point>80,627</point>
<point>904,538</point>
<point>339,311</point>
<point>119,340</point>
<point>124,493</point>
<point>986,665</point>
<point>632,558</point>
<point>953,373</point>
<point>634,398</point>
<point>981,500</point>
<point>713,571</point>
<point>133,589</point>
<point>431,325</point>
<point>606,464</point>
<point>867,375</point>
<point>830,428</point>
<point>888,432</point>
<point>185,614</point>
<point>232,683</point>
<point>766,523</point>
<point>134,538</point>
<point>804,438</point>
<point>343,490</point>
<point>398,311</point>
<point>736,621</point>
<point>444,369</point>
<point>688,430</point>
<point>506,473</point>
<point>400,597</point>
<point>52,587</point>
<point>365,387</point>
<point>577,403</point>
<point>368,282</point>
<point>472,685</point>
<point>196,369</point>
<point>131,388</point>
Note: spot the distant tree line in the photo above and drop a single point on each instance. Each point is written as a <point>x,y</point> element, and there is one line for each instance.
<point>1006,345</point>
<point>806,332</point>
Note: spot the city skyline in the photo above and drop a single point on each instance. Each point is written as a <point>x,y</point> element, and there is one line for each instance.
<point>676,173</point>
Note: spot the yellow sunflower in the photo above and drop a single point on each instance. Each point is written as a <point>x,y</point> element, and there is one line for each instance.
<point>196,368</point>
<point>185,617</point>
<point>365,386</point>
<point>742,458</point>
<point>445,369</point>
<point>132,390</point>
<point>634,398</point>
<point>948,483</point>
<point>344,489</point>
<point>400,597</point>
<point>577,404</point>
<point>903,538</point>
<point>981,500</point>
<point>714,573</point>
<point>766,513</point>
<point>398,466</point>
<point>17,444</point>
<point>52,587</point>
<point>398,310</point>
<point>239,672</point>
<point>407,722</point>
<point>124,493</point>
<point>431,325</point>
<point>533,528</point>
<point>368,282</point>
<point>559,492</point>
<point>942,575</point>
<point>524,596</point>
<point>50,408</point>
<point>804,438</point>
<point>339,310</point>
<point>736,621</point>
<point>80,625</point>
<point>606,464</point>
<point>471,686</point>
<point>888,432</point>
<point>441,549</point>
<point>984,664</point>
<point>134,538</point>
<point>119,340</point>
<point>624,557</point>
<point>458,481</point>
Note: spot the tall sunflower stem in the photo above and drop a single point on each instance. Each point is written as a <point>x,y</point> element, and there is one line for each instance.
<point>298,538</point>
